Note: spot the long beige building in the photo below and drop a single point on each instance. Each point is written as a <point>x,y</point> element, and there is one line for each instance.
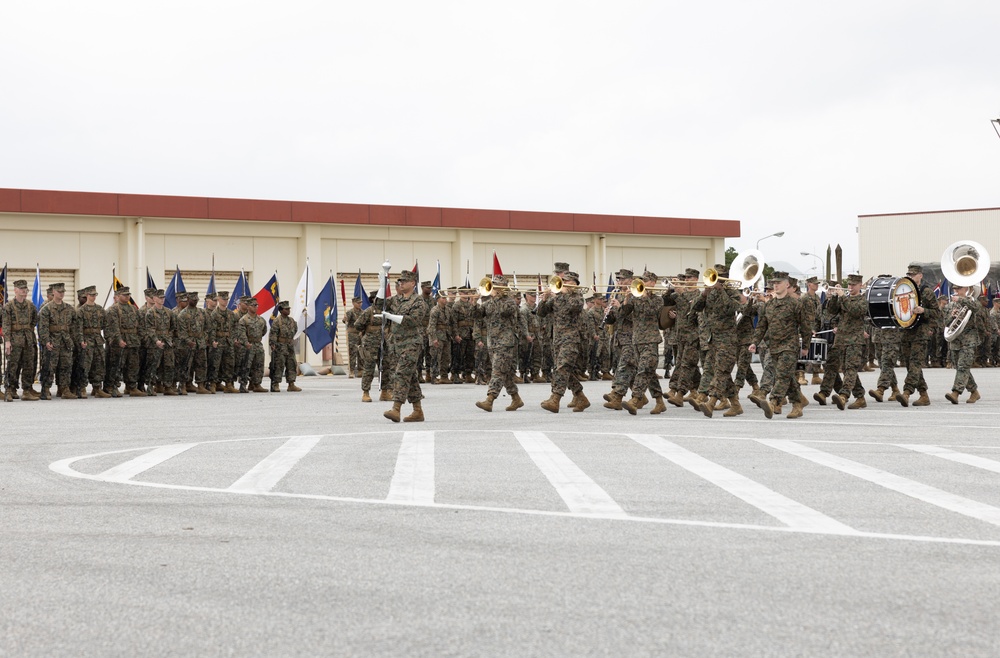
<point>890,242</point>
<point>78,237</point>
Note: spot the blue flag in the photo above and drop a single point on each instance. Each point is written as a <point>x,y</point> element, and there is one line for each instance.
<point>3,285</point>
<point>611,286</point>
<point>149,280</point>
<point>176,286</point>
<point>324,313</point>
<point>359,291</point>
<point>211,289</point>
<point>241,290</point>
<point>436,286</point>
<point>37,298</point>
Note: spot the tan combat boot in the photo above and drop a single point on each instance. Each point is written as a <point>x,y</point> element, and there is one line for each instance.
<point>776,406</point>
<point>735,408</point>
<point>515,403</point>
<point>572,402</point>
<point>292,388</point>
<point>385,395</point>
<point>876,393</point>
<point>136,393</point>
<point>68,394</point>
<point>974,397</point>
<point>487,404</point>
<point>839,401</point>
<point>721,405</point>
<point>923,400</point>
<point>641,401</point>
<point>708,406</point>
<point>417,415</point>
<point>816,380</point>
<point>859,403</point>
<point>257,388</point>
<point>614,401</point>
<point>803,400</point>
<point>659,408</point>
<point>800,377</point>
<point>201,390</point>
<point>393,414</point>
<point>169,390</point>
<point>796,411</point>
<point>552,404</point>
<point>83,393</point>
<point>675,398</point>
<point>630,406</point>
<point>365,397</point>
<point>903,398</point>
<point>765,406</point>
<point>581,401</point>
<point>952,397</point>
<point>820,397</point>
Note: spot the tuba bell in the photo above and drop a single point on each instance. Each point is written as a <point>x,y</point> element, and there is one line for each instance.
<point>965,263</point>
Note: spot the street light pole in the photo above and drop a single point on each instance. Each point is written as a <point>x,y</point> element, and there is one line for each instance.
<point>773,235</point>
<point>806,253</point>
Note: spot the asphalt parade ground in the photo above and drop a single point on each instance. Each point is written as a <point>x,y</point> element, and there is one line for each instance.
<point>307,524</point>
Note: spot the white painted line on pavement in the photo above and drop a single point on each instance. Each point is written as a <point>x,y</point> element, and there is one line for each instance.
<point>266,475</point>
<point>413,480</point>
<point>907,487</point>
<point>786,510</point>
<point>128,470</point>
<point>959,457</point>
<point>581,494</point>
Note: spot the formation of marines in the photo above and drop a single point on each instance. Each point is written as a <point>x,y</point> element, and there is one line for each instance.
<point>557,336</point>
<point>141,351</point>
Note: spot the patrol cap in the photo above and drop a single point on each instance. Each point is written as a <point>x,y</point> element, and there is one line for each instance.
<point>722,270</point>
<point>48,288</point>
<point>407,275</point>
<point>251,302</point>
<point>914,268</point>
<point>425,284</point>
<point>533,293</point>
<point>182,296</point>
<point>245,299</point>
<point>812,279</point>
<point>561,267</point>
<point>159,294</point>
<point>149,292</point>
<point>58,287</point>
<point>691,272</point>
<point>792,281</point>
<point>649,276</point>
<point>82,292</point>
<point>124,290</point>
<point>500,279</point>
<point>90,290</point>
<point>211,295</point>
<point>779,276</point>
<point>21,284</point>
<point>854,278</point>
<point>572,275</point>
<point>222,294</point>
<point>284,305</point>
<point>191,296</point>
<point>356,299</point>
<point>624,273</point>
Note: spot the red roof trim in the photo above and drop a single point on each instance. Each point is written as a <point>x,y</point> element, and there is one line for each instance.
<point>151,205</point>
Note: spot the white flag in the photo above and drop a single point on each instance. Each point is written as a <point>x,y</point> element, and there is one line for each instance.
<point>300,302</point>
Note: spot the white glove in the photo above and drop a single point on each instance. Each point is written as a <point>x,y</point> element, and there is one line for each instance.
<point>391,317</point>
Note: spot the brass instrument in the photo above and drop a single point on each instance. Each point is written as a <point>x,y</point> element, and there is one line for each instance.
<point>556,285</point>
<point>638,288</point>
<point>486,287</point>
<point>964,263</point>
<point>750,265</point>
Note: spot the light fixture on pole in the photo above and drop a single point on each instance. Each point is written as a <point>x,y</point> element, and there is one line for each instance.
<point>806,253</point>
<point>996,126</point>
<point>773,235</point>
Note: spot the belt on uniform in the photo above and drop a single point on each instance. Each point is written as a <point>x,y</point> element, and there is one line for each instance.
<point>92,333</point>
<point>58,327</point>
<point>285,341</point>
<point>351,330</point>
<point>222,334</point>
<point>372,330</point>
<point>466,323</point>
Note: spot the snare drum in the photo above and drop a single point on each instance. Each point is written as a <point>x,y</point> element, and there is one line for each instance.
<point>891,301</point>
<point>817,351</point>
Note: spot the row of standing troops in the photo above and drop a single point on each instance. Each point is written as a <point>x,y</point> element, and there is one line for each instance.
<point>151,350</point>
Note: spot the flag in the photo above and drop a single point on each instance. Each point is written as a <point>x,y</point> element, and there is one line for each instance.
<point>323,314</point>
<point>467,282</point>
<point>496,265</point>
<point>416,270</point>
<point>300,307</point>
<point>3,285</point>
<point>149,280</point>
<point>343,293</point>
<point>116,285</point>
<point>611,285</point>
<point>514,274</point>
<point>240,290</point>
<point>37,298</point>
<point>436,284</point>
<point>176,285</point>
<point>268,298</point>
<point>359,291</point>
<point>211,288</point>
<point>945,288</point>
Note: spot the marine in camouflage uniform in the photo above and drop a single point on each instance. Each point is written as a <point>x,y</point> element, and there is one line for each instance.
<point>45,357</point>
<point>353,338</point>
<point>198,341</point>
<point>370,331</point>
<point>744,336</point>
<point>530,349</point>
<point>19,320</point>
<point>408,313</point>
<point>886,342</point>
<point>500,313</point>
<point>280,341</point>
<point>250,331</point>
<point>813,306</point>
<point>719,306</point>
<point>786,329</point>
<point>913,341</point>
<point>963,347</point>
<point>90,339</point>
<point>239,347</point>
<point>686,376</point>
<point>463,355</point>
<point>644,312</point>
<point>20,345</point>
<point>565,308</point>
<point>479,338</point>
<point>56,325</point>
<point>122,335</point>
<point>160,334</point>
<point>440,329</point>
<point>143,347</point>
<point>853,310</point>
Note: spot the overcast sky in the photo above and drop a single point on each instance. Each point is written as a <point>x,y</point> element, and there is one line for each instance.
<point>787,116</point>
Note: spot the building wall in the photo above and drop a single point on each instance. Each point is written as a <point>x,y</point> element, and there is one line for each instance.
<point>888,243</point>
<point>42,228</point>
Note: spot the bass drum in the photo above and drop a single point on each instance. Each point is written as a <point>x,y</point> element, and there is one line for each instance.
<point>891,301</point>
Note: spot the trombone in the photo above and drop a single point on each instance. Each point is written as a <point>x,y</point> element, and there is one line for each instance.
<point>638,288</point>
<point>486,287</point>
<point>556,285</point>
